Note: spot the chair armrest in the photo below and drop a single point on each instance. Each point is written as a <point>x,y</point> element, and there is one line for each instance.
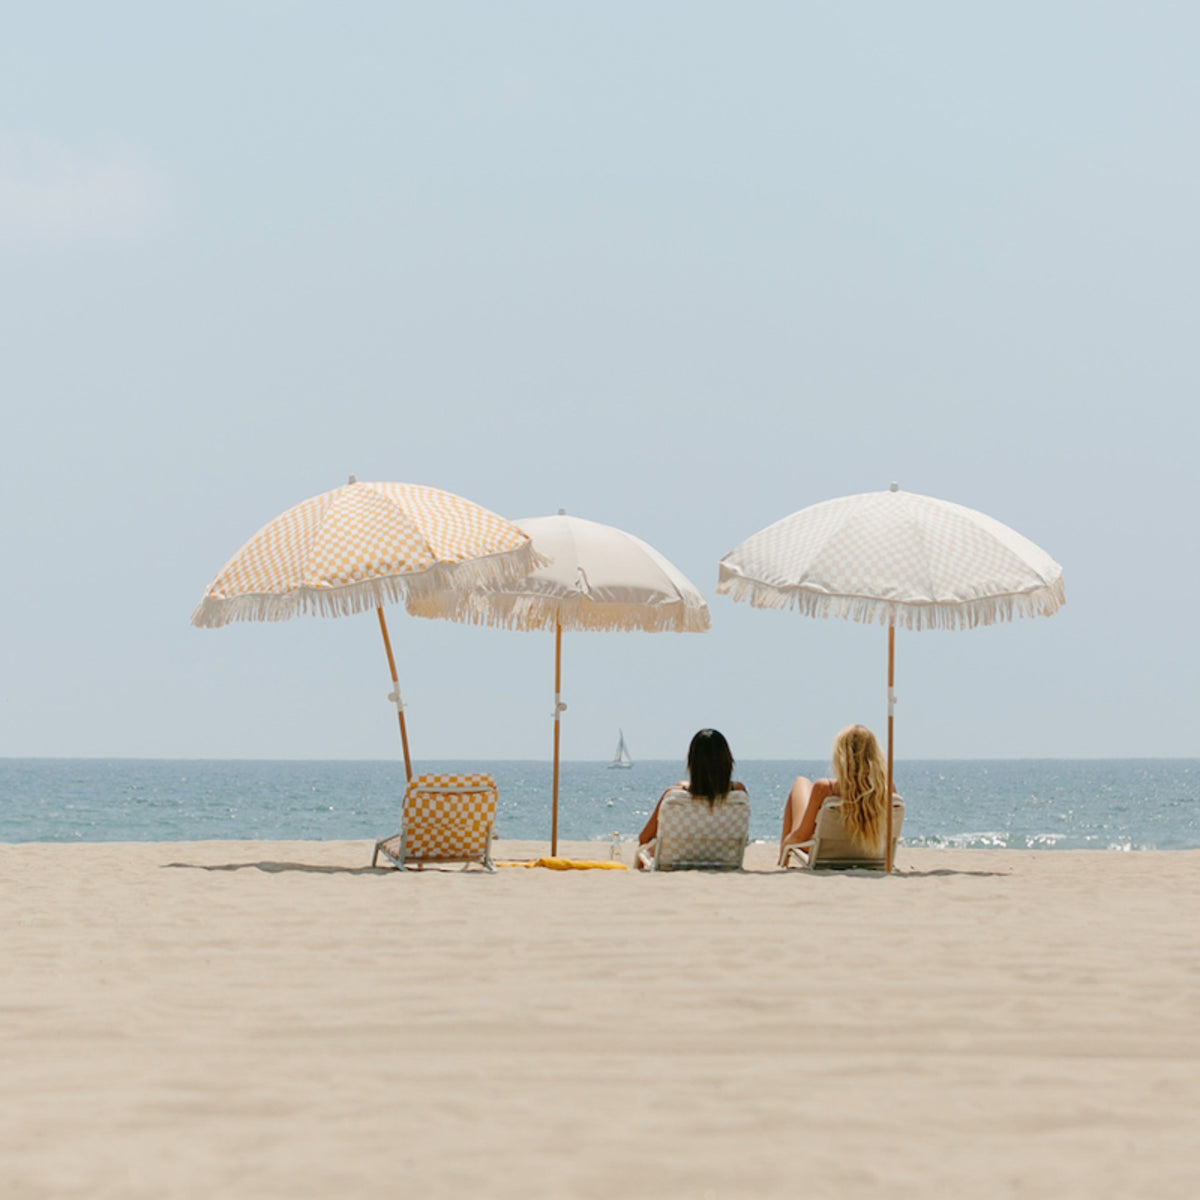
<point>800,850</point>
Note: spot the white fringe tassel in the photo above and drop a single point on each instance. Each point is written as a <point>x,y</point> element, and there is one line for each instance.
<point>967,614</point>
<point>438,583</point>
<point>529,612</point>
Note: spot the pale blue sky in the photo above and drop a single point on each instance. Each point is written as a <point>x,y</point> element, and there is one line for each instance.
<point>678,267</point>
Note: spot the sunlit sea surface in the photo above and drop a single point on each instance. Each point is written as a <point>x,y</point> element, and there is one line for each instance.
<point>1040,804</point>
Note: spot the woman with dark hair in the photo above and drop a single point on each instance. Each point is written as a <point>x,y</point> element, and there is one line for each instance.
<point>710,777</point>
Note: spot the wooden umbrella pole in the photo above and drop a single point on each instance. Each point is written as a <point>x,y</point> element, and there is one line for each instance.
<point>887,854</point>
<point>558,708</point>
<point>387,645</point>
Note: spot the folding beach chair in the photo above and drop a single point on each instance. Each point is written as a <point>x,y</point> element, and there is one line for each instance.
<point>831,848</point>
<point>692,834</point>
<point>446,819</point>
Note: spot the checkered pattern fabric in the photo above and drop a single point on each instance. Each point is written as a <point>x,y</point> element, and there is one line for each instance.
<point>693,833</point>
<point>894,557</point>
<point>358,546</point>
<point>446,818</point>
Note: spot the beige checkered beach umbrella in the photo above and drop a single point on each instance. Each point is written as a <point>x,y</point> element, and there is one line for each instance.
<point>895,558</point>
<point>598,577</point>
<point>359,547</point>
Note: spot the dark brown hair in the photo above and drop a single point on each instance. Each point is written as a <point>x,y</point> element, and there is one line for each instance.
<point>710,765</point>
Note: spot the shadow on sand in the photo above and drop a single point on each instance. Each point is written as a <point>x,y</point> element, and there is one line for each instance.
<point>857,873</point>
<point>910,874</point>
<point>274,868</point>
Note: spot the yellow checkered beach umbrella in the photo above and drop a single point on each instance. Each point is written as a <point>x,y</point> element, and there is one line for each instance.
<point>359,547</point>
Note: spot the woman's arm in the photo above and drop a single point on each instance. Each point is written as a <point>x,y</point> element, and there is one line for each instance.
<point>650,829</point>
<point>800,812</point>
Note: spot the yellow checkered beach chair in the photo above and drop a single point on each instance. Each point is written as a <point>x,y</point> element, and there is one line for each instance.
<point>691,834</point>
<point>446,819</point>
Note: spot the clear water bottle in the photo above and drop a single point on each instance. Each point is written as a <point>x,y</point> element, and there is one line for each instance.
<point>614,851</point>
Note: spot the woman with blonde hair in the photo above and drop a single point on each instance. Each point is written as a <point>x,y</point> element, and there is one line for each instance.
<point>859,782</point>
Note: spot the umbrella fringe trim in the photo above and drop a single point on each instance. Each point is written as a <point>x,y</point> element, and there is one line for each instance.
<point>345,600</point>
<point>528,613</point>
<point>968,614</point>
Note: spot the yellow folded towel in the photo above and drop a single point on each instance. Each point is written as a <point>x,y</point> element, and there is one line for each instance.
<point>569,864</point>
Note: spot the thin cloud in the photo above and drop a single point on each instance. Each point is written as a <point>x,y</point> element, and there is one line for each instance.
<point>52,191</point>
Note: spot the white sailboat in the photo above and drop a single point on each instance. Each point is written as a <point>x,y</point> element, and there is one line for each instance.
<point>621,757</point>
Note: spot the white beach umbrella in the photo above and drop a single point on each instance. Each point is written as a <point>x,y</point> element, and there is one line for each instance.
<point>895,558</point>
<point>598,578</point>
<point>358,547</point>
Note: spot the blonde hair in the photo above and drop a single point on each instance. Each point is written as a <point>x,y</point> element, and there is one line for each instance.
<point>861,777</point>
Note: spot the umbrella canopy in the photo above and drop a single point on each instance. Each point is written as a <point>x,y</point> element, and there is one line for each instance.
<point>361,546</point>
<point>599,578</point>
<point>895,558</point>
<point>358,547</point>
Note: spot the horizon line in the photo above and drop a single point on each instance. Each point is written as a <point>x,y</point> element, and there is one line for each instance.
<point>580,761</point>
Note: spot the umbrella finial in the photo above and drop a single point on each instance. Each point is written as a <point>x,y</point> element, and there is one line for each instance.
<point>895,487</point>
<point>352,479</point>
<point>562,512</point>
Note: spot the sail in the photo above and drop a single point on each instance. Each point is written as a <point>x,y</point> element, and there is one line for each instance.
<point>621,757</point>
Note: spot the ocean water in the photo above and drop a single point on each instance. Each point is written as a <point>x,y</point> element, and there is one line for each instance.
<point>1042,804</point>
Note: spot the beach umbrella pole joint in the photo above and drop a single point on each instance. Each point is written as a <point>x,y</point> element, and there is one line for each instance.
<point>394,694</point>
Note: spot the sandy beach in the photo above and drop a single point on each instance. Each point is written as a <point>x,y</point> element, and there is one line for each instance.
<point>277,1019</point>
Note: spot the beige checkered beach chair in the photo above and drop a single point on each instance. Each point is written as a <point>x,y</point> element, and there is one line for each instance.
<point>830,847</point>
<point>446,819</point>
<point>693,834</point>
